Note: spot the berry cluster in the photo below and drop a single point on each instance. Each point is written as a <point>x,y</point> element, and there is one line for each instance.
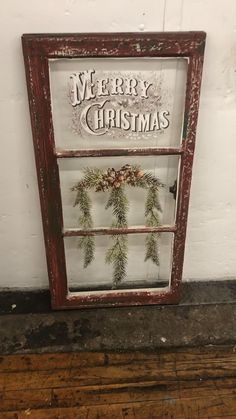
<point>115,178</point>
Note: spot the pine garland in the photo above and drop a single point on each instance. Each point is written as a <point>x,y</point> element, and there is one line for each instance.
<point>115,181</point>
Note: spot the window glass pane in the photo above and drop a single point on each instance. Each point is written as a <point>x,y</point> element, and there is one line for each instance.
<point>99,275</point>
<point>165,168</point>
<point>117,102</point>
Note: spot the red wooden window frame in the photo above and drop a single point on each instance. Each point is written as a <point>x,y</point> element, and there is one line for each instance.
<point>38,50</point>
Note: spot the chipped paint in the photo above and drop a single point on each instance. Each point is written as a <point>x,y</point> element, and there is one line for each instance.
<point>37,50</point>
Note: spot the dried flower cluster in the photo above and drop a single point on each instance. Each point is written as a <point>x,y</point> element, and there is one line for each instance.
<point>113,178</point>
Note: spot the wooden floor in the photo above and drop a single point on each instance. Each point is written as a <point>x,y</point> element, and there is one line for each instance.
<point>196,383</point>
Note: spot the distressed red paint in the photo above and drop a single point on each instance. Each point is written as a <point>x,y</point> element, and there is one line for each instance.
<point>38,49</point>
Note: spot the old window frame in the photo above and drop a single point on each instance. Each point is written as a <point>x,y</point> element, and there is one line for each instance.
<point>38,49</point>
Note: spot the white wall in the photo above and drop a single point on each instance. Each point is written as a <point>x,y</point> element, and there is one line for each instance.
<point>211,239</point>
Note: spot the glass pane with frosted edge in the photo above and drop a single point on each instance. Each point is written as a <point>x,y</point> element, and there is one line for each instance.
<point>165,168</point>
<point>118,102</point>
<point>139,274</point>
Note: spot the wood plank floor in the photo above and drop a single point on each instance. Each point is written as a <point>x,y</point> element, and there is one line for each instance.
<point>185,383</point>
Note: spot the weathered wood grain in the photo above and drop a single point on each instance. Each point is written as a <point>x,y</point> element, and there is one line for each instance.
<point>73,232</point>
<point>25,399</point>
<point>86,376</point>
<point>209,408</point>
<point>116,393</point>
<point>139,392</point>
<point>162,357</point>
<point>154,151</point>
<point>187,384</point>
<point>17,363</point>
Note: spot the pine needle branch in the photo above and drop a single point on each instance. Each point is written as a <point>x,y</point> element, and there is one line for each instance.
<point>90,179</point>
<point>152,209</point>
<point>152,201</point>
<point>149,180</point>
<point>120,205</point>
<point>117,254</point>
<point>152,248</point>
<point>87,243</point>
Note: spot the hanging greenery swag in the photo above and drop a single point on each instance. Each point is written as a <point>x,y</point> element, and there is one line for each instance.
<point>114,181</point>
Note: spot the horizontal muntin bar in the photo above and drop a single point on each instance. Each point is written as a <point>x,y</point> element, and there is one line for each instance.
<point>71,232</point>
<point>110,152</point>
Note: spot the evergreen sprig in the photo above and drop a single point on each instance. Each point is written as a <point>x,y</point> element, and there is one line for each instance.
<point>148,180</point>
<point>152,248</point>
<point>86,243</point>
<point>120,205</point>
<point>152,209</point>
<point>117,254</point>
<point>152,205</point>
<point>90,179</point>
